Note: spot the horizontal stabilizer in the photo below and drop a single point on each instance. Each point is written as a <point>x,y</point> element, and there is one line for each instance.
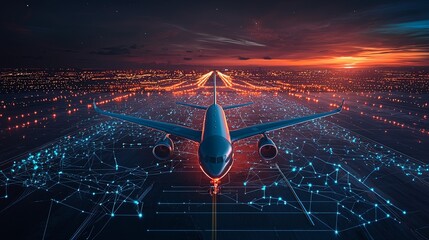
<point>191,105</point>
<point>237,105</point>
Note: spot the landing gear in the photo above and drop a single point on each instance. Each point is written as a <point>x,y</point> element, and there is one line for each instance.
<point>215,188</point>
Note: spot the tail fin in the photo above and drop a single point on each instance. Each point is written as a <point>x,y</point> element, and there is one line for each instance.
<point>214,89</point>
<point>341,106</point>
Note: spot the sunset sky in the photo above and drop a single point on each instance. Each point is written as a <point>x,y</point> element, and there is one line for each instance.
<point>133,34</point>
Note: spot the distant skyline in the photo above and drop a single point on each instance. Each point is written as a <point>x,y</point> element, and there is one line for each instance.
<point>137,34</point>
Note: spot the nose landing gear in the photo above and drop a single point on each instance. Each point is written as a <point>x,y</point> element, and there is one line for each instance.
<point>215,188</point>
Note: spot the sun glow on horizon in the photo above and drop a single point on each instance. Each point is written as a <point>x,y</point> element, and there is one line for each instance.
<point>364,58</point>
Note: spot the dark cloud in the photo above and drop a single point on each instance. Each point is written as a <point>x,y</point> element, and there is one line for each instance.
<point>187,58</point>
<point>267,58</point>
<point>243,58</point>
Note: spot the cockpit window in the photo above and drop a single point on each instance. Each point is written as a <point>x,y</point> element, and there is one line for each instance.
<point>219,159</point>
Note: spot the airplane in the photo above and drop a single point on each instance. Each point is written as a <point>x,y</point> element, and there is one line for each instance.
<point>215,151</point>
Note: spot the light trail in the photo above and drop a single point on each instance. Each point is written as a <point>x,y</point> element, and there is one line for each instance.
<point>227,80</point>
<point>203,79</point>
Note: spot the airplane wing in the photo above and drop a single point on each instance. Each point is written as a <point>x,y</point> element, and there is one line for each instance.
<point>266,127</point>
<point>170,128</point>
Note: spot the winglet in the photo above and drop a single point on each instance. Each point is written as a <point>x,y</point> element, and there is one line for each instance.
<point>341,106</point>
<point>95,106</point>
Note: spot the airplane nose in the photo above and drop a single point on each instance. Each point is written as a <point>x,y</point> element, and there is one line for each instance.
<point>215,170</point>
<point>214,154</point>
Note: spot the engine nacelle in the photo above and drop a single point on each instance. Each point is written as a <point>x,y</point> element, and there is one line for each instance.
<point>163,149</point>
<point>267,148</point>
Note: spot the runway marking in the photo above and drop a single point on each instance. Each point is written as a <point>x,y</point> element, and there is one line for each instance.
<point>214,217</point>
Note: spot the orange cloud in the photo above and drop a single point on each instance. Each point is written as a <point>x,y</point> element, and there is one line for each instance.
<point>367,57</point>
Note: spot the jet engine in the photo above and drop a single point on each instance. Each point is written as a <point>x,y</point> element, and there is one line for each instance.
<point>163,149</point>
<point>267,148</point>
